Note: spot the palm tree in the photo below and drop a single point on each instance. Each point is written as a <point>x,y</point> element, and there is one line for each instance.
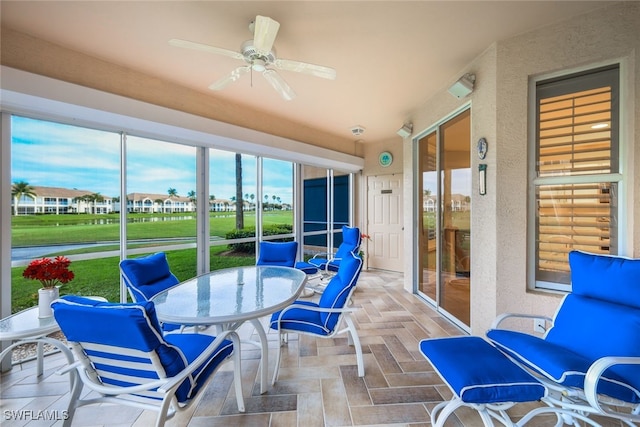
<point>192,196</point>
<point>172,193</point>
<point>96,198</point>
<point>19,190</point>
<point>239,205</point>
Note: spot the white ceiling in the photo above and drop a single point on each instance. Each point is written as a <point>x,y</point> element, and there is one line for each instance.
<point>390,56</point>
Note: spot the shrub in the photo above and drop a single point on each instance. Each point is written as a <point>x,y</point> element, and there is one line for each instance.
<point>250,232</point>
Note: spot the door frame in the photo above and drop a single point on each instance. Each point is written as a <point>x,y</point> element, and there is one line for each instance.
<point>415,220</point>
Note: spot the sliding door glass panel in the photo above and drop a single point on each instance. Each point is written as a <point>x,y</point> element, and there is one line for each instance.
<point>341,197</point>
<point>233,197</point>
<point>429,209</point>
<point>161,202</point>
<point>65,187</point>
<point>455,233</point>
<point>277,193</point>
<point>315,206</point>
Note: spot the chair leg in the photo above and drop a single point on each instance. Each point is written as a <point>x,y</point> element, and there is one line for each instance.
<point>353,333</point>
<point>264,353</point>
<point>237,373</point>
<point>281,338</point>
<point>74,395</point>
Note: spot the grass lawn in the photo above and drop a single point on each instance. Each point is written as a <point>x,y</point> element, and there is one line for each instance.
<point>101,277</point>
<point>38,230</point>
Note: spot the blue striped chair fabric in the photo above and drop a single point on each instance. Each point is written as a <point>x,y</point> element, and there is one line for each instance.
<point>122,354</point>
<point>323,318</point>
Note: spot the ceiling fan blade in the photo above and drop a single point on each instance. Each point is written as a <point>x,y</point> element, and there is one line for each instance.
<point>303,67</point>
<point>230,78</point>
<point>279,84</point>
<point>205,48</point>
<point>264,34</point>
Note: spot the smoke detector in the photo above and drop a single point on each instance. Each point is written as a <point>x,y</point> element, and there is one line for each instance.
<point>357,130</point>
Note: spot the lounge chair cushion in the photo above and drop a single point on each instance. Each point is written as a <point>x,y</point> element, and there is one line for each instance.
<point>592,322</point>
<point>478,373</point>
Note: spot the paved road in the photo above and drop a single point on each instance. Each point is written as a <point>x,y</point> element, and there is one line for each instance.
<point>22,256</point>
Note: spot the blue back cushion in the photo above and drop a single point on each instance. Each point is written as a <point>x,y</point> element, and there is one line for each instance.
<point>601,316</point>
<point>146,276</point>
<point>278,253</point>
<point>337,291</point>
<point>351,239</point>
<point>608,278</point>
<point>132,325</point>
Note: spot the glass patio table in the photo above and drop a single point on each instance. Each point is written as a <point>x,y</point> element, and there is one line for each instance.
<point>229,297</point>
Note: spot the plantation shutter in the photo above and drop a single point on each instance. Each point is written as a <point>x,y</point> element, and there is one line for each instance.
<point>577,154</point>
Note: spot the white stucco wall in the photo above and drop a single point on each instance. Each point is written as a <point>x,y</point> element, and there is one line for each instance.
<point>499,113</point>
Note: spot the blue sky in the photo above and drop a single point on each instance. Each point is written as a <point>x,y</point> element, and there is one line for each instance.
<point>55,155</point>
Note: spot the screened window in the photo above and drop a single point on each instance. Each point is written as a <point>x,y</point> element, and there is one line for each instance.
<point>576,171</point>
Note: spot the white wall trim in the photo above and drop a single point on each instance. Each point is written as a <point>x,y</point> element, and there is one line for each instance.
<point>42,97</point>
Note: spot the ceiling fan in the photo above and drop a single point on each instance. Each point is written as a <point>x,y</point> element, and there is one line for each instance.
<point>260,56</point>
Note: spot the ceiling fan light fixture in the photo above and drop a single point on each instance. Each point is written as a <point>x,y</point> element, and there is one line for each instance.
<point>258,65</point>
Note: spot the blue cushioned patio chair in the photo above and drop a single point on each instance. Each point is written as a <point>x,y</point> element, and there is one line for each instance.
<point>122,355</point>
<point>146,276</point>
<point>323,319</point>
<point>329,263</point>
<point>278,253</point>
<point>589,359</point>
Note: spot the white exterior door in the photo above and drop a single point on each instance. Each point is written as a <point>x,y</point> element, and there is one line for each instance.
<point>384,222</point>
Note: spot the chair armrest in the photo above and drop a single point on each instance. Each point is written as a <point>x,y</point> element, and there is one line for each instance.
<point>345,310</point>
<point>591,384</point>
<point>502,317</point>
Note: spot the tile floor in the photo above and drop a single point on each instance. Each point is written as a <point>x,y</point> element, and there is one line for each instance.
<point>318,384</point>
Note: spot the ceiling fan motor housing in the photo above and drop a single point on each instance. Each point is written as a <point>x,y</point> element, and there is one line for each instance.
<point>251,54</point>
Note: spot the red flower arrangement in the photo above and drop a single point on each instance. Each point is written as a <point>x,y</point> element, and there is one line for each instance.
<point>365,236</point>
<point>49,271</point>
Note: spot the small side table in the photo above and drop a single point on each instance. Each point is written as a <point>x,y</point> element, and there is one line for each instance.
<point>26,327</point>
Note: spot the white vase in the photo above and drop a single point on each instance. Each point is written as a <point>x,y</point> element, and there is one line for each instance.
<point>45,298</point>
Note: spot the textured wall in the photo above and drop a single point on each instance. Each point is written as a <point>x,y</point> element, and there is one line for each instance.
<point>500,113</point>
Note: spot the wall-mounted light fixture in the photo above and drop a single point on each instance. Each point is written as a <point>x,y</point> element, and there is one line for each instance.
<point>405,130</point>
<point>464,86</point>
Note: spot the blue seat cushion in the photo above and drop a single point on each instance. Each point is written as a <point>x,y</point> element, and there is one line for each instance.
<point>299,319</point>
<point>479,373</point>
<point>306,267</point>
<point>192,346</point>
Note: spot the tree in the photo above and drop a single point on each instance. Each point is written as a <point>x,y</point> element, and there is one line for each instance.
<point>192,196</point>
<point>239,204</point>
<point>172,193</point>
<point>93,199</point>
<point>19,190</point>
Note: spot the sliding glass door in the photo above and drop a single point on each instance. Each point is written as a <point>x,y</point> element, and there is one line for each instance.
<point>444,162</point>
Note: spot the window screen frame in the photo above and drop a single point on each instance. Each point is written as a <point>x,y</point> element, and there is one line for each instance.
<point>543,87</point>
